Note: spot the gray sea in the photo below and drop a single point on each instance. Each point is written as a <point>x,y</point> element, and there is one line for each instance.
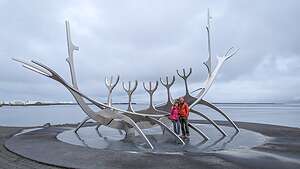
<point>278,114</point>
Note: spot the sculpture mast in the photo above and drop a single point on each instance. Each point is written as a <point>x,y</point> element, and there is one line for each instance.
<point>209,60</point>
<point>70,60</point>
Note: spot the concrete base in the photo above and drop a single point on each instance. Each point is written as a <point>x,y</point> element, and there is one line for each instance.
<point>111,139</point>
<point>43,146</point>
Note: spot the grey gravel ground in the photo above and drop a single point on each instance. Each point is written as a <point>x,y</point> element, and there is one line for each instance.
<point>9,160</point>
<point>281,151</point>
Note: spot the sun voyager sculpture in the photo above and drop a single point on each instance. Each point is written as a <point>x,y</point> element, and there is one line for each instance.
<point>130,120</point>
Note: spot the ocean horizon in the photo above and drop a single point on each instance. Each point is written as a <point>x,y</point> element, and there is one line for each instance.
<point>284,114</point>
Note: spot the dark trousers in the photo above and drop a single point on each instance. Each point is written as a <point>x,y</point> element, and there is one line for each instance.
<point>176,126</point>
<point>184,126</point>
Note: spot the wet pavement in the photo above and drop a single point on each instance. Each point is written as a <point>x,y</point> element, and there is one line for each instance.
<point>265,147</point>
<point>107,138</point>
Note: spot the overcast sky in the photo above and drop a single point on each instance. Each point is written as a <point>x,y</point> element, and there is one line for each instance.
<point>145,40</point>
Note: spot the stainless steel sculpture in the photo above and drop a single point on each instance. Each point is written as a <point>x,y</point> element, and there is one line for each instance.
<point>130,120</point>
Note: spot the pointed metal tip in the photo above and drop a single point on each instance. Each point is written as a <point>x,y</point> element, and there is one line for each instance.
<point>17,60</point>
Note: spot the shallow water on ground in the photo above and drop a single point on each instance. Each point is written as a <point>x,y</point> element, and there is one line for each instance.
<point>107,138</point>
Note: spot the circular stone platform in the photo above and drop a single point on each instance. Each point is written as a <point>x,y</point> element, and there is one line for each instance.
<point>60,146</point>
<point>108,138</point>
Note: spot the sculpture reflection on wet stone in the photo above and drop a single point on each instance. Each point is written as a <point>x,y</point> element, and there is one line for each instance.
<point>130,120</point>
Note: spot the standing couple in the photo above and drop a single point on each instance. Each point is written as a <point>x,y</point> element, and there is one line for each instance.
<point>179,114</point>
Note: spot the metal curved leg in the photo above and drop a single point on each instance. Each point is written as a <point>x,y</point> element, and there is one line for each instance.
<point>81,124</point>
<point>210,120</point>
<point>203,102</point>
<point>138,129</point>
<point>130,133</point>
<point>81,140</point>
<point>198,131</point>
<point>214,143</point>
<point>163,126</point>
<point>98,125</point>
<point>120,132</point>
<point>99,134</point>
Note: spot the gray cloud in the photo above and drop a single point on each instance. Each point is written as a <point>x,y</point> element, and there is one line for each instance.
<point>147,39</point>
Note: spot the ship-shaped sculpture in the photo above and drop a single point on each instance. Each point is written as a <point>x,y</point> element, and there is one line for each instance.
<point>130,120</point>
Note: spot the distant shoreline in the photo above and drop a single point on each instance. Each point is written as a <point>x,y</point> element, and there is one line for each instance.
<point>121,103</point>
<point>51,104</point>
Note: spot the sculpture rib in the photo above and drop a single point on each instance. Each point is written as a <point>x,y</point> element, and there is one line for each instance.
<point>168,85</point>
<point>130,121</point>
<point>198,131</point>
<point>81,124</point>
<point>210,120</point>
<point>110,86</point>
<point>209,82</point>
<point>168,129</point>
<point>129,92</point>
<point>220,111</point>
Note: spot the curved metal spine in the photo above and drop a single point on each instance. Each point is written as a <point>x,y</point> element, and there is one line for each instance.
<point>203,102</point>
<point>137,128</point>
<point>168,129</point>
<point>209,81</point>
<point>210,120</point>
<point>98,126</point>
<point>198,131</point>
<point>191,98</point>
<point>81,124</point>
<point>77,95</point>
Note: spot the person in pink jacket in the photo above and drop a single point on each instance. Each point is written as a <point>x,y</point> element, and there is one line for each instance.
<point>174,117</point>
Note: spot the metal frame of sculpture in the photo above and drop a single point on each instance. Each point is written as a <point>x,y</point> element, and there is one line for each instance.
<point>130,120</point>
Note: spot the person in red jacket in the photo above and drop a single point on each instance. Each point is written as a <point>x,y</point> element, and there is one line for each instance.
<point>174,116</point>
<point>183,117</point>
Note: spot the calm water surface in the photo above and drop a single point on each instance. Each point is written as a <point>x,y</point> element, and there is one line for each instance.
<point>279,114</point>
